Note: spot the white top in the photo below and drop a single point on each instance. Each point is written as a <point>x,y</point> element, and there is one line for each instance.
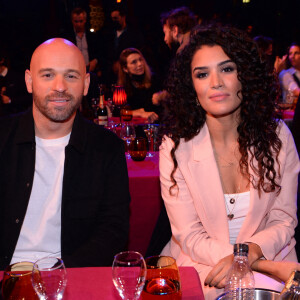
<point>82,44</point>
<point>41,229</point>
<point>239,209</point>
<point>287,81</point>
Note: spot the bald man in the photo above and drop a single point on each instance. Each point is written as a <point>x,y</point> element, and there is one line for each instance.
<point>63,181</point>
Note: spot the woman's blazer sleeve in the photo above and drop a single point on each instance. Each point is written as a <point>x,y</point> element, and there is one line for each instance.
<point>281,219</point>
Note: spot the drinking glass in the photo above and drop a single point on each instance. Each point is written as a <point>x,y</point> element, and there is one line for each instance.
<point>126,113</point>
<point>16,282</point>
<point>129,274</point>
<point>127,134</point>
<point>49,278</point>
<point>138,149</point>
<point>162,279</point>
<point>151,134</point>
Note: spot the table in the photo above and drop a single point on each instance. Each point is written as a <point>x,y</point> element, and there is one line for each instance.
<point>96,283</point>
<point>146,201</point>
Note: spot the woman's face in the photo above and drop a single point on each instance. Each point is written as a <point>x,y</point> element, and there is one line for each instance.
<point>214,76</point>
<point>294,57</point>
<point>135,64</point>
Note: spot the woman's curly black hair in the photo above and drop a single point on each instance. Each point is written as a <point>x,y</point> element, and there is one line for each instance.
<point>184,117</point>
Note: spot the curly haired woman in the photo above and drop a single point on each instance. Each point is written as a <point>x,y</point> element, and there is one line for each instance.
<point>228,167</point>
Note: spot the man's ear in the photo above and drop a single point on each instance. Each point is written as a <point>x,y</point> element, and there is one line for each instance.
<point>87,80</point>
<point>28,81</point>
<point>175,31</point>
<point>125,70</point>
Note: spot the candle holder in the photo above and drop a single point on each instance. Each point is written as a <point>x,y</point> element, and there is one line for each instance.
<point>119,100</point>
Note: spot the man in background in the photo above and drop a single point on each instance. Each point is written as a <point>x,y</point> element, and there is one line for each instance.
<point>177,25</point>
<point>85,40</point>
<point>64,183</point>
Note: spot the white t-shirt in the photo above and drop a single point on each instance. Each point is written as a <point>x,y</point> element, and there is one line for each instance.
<point>41,229</point>
<point>239,209</point>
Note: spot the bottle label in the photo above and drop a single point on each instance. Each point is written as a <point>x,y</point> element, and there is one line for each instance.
<point>102,120</point>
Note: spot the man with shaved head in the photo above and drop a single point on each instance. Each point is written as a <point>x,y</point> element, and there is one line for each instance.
<point>63,180</point>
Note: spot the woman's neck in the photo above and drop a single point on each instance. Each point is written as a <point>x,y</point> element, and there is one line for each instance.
<point>223,131</point>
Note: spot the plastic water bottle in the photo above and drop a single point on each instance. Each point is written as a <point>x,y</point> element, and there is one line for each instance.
<point>292,287</point>
<point>240,280</point>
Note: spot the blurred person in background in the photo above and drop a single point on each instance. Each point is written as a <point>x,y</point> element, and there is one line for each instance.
<point>265,45</point>
<point>141,85</point>
<point>13,95</point>
<point>85,40</point>
<point>114,38</point>
<point>177,25</point>
<point>290,78</point>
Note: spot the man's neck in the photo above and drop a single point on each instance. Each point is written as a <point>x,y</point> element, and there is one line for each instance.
<point>47,129</point>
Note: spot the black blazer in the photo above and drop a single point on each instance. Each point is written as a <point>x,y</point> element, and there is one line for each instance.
<point>95,194</point>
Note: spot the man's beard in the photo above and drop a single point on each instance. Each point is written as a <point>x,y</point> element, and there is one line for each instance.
<point>174,45</point>
<point>57,113</point>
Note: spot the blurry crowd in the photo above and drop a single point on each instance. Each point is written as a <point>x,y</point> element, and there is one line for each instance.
<point>119,53</point>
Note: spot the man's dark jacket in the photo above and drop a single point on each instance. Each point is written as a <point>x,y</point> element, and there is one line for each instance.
<point>95,195</point>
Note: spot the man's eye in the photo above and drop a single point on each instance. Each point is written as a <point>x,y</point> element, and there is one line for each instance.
<point>70,76</point>
<point>47,75</point>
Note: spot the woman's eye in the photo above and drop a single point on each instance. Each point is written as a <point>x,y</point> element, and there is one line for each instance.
<point>201,75</point>
<point>228,69</point>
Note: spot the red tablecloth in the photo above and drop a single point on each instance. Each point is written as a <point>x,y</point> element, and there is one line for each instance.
<point>288,114</point>
<point>96,283</point>
<point>145,201</point>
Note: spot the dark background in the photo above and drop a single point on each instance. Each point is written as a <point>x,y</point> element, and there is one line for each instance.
<point>24,24</point>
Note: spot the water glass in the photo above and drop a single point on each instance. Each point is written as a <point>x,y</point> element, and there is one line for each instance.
<point>16,282</point>
<point>129,274</point>
<point>151,131</point>
<point>162,279</point>
<point>49,278</point>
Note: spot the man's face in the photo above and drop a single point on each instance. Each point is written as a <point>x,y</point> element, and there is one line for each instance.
<point>118,20</point>
<point>170,38</point>
<point>78,22</point>
<point>57,80</point>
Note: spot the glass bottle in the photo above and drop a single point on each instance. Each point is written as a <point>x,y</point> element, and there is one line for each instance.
<point>292,288</point>
<point>102,112</point>
<point>240,280</point>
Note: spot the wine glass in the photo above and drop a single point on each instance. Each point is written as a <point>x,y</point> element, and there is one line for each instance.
<point>129,274</point>
<point>162,278</point>
<point>127,134</point>
<point>49,278</point>
<point>151,134</point>
<point>16,282</point>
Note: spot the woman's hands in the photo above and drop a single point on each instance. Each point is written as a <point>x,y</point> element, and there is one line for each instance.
<point>279,269</point>
<point>217,276</point>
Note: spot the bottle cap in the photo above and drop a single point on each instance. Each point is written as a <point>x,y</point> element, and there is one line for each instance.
<point>241,248</point>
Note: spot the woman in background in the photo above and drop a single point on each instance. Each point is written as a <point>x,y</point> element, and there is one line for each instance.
<point>141,85</point>
<point>228,167</point>
<point>290,78</point>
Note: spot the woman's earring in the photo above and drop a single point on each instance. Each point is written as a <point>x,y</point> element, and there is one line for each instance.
<point>197,101</point>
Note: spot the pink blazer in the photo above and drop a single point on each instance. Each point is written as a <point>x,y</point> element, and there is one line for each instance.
<point>197,210</point>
